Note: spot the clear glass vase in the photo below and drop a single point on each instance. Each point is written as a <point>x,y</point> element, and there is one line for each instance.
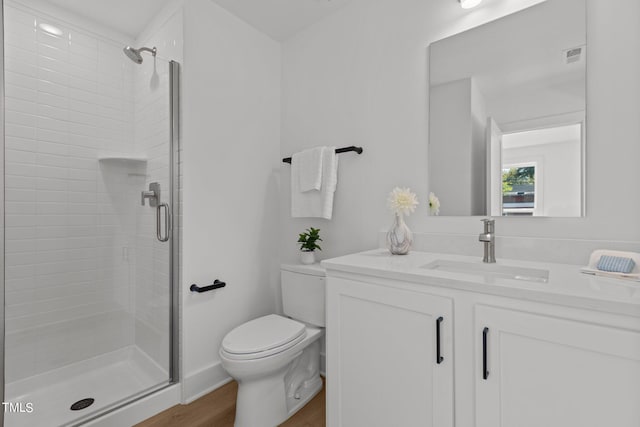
<point>399,237</point>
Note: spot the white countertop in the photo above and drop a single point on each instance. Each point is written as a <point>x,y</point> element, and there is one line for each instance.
<point>566,284</point>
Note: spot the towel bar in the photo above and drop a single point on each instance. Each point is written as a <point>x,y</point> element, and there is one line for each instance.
<point>358,150</point>
<point>217,284</point>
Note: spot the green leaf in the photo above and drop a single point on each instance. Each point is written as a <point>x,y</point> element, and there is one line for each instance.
<point>309,238</point>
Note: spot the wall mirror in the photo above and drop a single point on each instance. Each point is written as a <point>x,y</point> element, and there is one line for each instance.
<point>507,108</point>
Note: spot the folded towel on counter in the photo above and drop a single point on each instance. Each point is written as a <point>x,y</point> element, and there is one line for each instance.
<point>315,203</point>
<point>615,264</point>
<point>309,168</point>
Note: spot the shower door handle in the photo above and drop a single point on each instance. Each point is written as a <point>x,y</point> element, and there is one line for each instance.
<point>167,222</point>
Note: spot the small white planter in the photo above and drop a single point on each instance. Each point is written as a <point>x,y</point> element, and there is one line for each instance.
<point>307,257</point>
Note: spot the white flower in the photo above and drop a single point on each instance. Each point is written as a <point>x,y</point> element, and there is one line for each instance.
<point>402,201</point>
<point>434,204</point>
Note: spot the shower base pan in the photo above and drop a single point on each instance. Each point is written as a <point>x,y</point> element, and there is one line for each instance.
<point>107,379</point>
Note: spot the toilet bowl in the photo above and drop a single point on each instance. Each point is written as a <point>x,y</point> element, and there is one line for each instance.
<point>276,359</point>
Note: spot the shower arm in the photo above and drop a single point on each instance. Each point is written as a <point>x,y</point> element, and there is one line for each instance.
<point>146,49</point>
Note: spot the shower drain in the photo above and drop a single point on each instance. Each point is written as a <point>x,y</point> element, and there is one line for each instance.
<point>82,404</point>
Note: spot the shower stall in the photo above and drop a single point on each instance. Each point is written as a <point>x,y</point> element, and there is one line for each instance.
<point>91,209</point>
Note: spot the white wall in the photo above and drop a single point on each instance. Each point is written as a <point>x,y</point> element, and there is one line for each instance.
<point>451,146</point>
<point>231,136</point>
<point>360,76</point>
<point>457,154</point>
<point>478,116</point>
<point>67,103</point>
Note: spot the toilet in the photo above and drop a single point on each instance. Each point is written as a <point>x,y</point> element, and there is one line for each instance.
<point>276,359</point>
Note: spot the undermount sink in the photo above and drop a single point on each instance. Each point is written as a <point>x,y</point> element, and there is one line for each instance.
<point>490,270</point>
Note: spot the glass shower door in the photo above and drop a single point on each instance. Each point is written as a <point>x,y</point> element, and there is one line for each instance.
<point>89,259</point>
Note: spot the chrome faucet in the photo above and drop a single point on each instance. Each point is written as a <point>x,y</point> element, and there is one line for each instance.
<point>489,238</point>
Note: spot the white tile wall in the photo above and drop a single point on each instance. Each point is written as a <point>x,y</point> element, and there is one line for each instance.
<point>69,217</point>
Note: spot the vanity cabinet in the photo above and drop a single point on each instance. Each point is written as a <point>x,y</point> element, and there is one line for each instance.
<point>390,356</point>
<point>538,370</point>
<point>521,359</point>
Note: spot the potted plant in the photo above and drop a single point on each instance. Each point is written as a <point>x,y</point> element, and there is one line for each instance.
<point>308,244</point>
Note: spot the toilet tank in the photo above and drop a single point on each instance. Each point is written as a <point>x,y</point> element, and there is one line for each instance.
<point>303,290</point>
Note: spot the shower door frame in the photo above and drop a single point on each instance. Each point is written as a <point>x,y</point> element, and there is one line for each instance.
<point>2,162</point>
<point>174,242</point>
<point>174,262</point>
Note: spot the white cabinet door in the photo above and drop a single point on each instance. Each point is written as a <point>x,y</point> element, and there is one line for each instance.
<point>553,372</point>
<point>382,357</point>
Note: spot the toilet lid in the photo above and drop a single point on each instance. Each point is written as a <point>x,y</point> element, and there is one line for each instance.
<point>263,334</point>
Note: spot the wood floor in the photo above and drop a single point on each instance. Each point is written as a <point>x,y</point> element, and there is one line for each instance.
<point>218,409</point>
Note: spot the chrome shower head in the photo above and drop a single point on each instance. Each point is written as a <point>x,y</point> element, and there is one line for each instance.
<point>135,54</point>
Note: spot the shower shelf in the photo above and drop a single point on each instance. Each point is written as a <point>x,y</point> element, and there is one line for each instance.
<point>134,160</point>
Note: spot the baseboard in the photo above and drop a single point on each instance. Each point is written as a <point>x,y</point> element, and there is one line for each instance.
<point>204,381</point>
<point>140,410</point>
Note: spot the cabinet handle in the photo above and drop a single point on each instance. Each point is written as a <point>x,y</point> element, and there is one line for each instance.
<point>485,371</point>
<point>439,357</point>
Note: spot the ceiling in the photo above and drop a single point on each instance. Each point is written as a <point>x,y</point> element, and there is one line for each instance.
<point>281,19</point>
<point>129,17</point>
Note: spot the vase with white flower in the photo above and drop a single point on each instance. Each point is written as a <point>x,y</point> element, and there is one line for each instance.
<point>308,244</point>
<point>399,238</point>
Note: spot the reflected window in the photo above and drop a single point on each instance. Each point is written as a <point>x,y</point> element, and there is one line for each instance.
<point>541,171</point>
<point>519,190</point>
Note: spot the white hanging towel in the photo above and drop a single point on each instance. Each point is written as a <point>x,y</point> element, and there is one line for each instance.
<point>315,203</point>
<point>309,168</point>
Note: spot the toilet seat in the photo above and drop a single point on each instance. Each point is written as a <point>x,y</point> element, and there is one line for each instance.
<point>262,337</point>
